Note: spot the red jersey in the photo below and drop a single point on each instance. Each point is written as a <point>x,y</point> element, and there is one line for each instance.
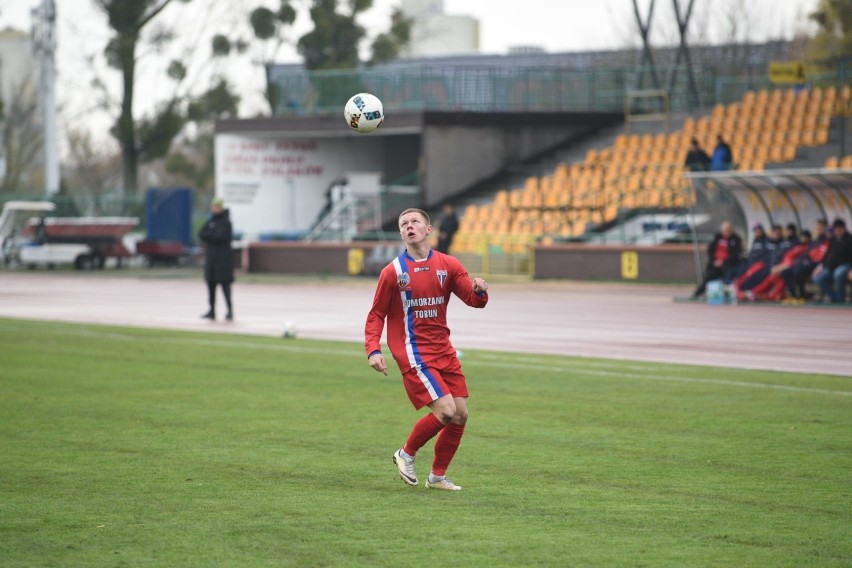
<point>413,296</point>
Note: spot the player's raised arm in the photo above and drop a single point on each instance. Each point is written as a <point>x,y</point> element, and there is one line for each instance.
<point>471,291</point>
<point>480,286</point>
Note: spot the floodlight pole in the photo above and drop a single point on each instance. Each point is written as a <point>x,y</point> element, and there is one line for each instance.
<point>647,55</point>
<point>683,51</point>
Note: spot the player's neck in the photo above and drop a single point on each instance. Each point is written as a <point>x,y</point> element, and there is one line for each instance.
<point>419,251</point>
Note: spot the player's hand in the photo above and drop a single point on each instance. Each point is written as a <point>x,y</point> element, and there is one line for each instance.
<point>377,362</point>
<point>479,285</point>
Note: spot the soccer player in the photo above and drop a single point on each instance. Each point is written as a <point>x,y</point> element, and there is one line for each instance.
<point>412,294</point>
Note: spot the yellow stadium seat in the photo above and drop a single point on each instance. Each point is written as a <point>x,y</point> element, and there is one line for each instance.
<point>789,153</point>
<point>829,93</point>
<point>831,163</point>
<point>776,154</point>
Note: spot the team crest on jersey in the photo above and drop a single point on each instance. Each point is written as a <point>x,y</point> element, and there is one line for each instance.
<point>442,276</point>
<point>404,280</point>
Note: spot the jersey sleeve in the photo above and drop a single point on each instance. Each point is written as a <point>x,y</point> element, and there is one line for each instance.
<point>378,312</point>
<point>462,286</point>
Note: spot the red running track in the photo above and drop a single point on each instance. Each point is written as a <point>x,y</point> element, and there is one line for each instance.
<point>608,320</point>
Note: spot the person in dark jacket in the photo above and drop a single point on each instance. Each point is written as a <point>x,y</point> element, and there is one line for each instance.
<point>724,254</point>
<point>216,235</point>
<point>697,159</point>
<point>448,227</point>
<point>788,241</point>
<point>761,249</point>
<point>832,274</point>
<point>797,276</point>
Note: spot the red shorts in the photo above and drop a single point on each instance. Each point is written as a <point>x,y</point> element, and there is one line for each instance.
<point>435,379</point>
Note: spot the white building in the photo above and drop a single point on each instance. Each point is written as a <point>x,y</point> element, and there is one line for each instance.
<point>435,33</point>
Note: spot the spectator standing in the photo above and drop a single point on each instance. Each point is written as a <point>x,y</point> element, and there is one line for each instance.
<point>448,227</point>
<point>697,159</point>
<point>832,274</point>
<point>724,254</point>
<point>216,234</point>
<point>723,157</point>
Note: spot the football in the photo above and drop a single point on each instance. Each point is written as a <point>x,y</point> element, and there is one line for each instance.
<point>289,330</point>
<point>364,113</point>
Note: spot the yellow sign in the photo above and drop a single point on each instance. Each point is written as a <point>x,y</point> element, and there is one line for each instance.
<point>630,265</point>
<point>787,73</point>
<point>355,260</point>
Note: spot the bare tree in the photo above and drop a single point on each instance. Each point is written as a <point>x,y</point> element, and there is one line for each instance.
<point>22,137</point>
<point>92,170</point>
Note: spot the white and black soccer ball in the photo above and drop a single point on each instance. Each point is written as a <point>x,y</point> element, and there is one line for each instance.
<point>289,330</point>
<point>364,113</point>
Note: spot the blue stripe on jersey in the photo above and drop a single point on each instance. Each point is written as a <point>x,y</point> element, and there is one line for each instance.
<point>412,340</point>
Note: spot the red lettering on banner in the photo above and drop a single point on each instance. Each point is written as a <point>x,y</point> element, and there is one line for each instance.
<point>283,158</point>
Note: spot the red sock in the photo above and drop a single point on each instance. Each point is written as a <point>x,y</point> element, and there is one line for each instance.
<point>425,429</point>
<point>446,446</point>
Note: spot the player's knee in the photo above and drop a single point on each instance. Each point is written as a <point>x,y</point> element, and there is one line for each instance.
<point>460,417</point>
<point>446,417</point>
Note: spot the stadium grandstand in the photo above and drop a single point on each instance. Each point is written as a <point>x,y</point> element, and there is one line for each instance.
<point>646,171</point>
<point>542,153</point>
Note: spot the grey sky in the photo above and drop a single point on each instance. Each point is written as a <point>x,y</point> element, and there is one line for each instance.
<point>555,25</point>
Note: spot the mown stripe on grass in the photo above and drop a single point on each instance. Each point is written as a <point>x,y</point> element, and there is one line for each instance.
<point>661,377</point>
<point>600,368</point>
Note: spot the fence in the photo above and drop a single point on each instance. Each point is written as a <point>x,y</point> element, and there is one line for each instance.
<point>473,88</point>
<point>551,87</point>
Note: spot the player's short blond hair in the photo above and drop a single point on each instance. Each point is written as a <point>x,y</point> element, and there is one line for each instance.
<point>415,210</point>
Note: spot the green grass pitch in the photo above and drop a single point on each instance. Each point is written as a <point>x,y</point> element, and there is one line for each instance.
<point>129,447</point>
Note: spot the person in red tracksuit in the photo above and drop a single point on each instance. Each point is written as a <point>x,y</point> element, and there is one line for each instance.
<point>770,286</point>
<point>412,295</point>
<point>796,276</point>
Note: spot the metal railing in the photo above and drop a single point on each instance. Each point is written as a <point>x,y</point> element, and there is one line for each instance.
<point>470,88</point>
